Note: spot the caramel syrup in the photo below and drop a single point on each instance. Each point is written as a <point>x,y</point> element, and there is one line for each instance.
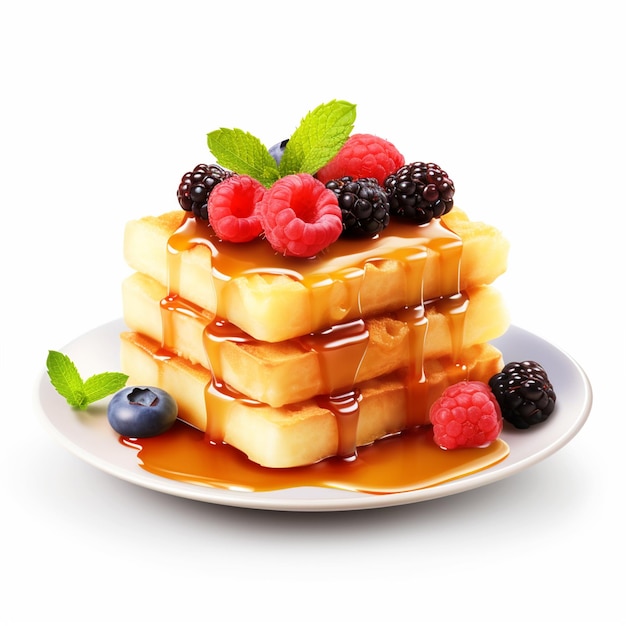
<point>406,461</point>
<point>398,463</point>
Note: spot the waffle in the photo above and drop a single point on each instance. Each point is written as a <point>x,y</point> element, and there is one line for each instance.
<point>294,370</point>
<point>295,360</point>
<point>273,298</point>
<point>305,432</point>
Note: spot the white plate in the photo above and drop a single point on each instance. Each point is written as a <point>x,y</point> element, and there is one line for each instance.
<point>88,435</point>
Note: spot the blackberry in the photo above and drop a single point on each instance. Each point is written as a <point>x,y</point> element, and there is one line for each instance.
<point>364,205</point>
<point>420,191</point>
<point>195,187</point>
<point>524,393</point>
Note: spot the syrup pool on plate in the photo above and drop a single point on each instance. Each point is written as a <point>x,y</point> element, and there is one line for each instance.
<point>404,462</point>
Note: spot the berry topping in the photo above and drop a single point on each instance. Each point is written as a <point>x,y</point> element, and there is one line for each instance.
<point>300,216</point>
<point>364,205</point>
<point>195,187</point>
<point>363,156</point>
<point>231,208</point>
<point>524,393</point>
<point>420,191</point>
<point>142,412</point>
<point>466,415</point>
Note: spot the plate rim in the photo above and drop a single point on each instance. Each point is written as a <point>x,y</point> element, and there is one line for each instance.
<point>333,499</point>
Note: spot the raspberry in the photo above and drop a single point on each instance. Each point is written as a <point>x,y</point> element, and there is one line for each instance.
<point>231,209</point>
<point>364,205</point>
<point>420,191</point>
<point>363,156</point>
<point>524,392</point>
<point>466,415</point>
<point>195,187</point>
<point>300,216</point>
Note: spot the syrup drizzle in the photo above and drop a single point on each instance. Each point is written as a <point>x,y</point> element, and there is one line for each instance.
<point>340,351</point>
<point>416,386</point>
<point>400,462</point>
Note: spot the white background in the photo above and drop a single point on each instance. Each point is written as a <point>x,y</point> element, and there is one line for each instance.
<point>105,105</point>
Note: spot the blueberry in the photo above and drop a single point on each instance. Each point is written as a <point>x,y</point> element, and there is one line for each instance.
<point>277,150</point>
<point>142,411</point>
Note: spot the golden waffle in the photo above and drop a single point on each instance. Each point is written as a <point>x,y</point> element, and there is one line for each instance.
<point>292,368</point>
<point>305,432</point>
<point>273,298</point>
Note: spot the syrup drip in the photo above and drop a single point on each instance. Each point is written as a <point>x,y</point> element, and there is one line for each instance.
<point>402,462</point>
<point>345,407</point>
<point>340,351</point>
<point>415,383</point>
<point>215,334</point>
<point>455,308</point>
<point>219,400</point>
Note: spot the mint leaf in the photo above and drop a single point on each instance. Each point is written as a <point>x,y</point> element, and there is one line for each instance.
<point>102,385</point>
<point>319,138</point>
<point>79,394</point>
<point>243,153</point>
<point>65,377</point>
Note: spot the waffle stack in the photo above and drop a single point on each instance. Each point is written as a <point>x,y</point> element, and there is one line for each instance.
<point>295,360</point>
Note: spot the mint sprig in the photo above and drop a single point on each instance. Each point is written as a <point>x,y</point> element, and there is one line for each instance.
<point>243,153</point>
<point>318,138</point>
<point>80,393</point>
